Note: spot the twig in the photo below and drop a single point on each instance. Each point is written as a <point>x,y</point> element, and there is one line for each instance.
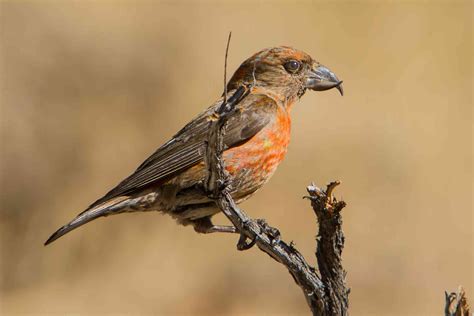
<point>325,292</point>
<point>225,67</point>
<point>456,303</point>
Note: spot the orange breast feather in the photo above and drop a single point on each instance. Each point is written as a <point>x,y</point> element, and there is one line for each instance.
<point>252,163</point>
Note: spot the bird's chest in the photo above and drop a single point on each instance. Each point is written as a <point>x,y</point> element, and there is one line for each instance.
<point>252,163</point>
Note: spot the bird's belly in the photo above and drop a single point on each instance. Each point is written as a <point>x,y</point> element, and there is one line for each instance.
<point>251,164</point>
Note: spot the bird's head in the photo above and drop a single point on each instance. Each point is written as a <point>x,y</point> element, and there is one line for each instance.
<point>286,71</point>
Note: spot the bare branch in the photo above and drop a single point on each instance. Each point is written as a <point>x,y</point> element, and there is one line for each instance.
<point>330,245</point>
<point>456,303</point>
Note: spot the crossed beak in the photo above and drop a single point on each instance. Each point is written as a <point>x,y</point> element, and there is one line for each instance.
<point>320,78</point>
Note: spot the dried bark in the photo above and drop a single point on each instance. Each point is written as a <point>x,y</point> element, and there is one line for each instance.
<point>456,303</point>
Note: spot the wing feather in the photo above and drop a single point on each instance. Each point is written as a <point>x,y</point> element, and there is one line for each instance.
<point>187,147</point>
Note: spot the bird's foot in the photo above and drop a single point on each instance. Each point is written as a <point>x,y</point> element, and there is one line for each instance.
<point>272,232</point>
<point>242,244</point>
<point>205,226</point>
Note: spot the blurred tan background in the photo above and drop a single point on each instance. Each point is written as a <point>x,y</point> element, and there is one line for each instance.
<point>90,89</point>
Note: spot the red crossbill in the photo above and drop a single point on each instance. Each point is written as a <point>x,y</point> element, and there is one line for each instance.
<point>256,139</point>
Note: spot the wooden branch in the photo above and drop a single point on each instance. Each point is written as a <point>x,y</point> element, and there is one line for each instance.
<point>325,292</point>
<point>330,244</point>
<point>456,303</point>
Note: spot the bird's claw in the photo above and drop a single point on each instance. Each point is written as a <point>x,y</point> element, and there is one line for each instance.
<point>242,244</point>
<point>272,232</point>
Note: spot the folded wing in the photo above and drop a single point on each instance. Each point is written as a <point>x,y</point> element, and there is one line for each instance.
<point>187,147</point>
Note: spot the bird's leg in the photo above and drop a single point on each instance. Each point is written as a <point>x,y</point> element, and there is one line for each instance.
<point>205,226</point>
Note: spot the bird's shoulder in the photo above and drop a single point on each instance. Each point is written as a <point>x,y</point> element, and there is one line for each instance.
<point>251,112</point>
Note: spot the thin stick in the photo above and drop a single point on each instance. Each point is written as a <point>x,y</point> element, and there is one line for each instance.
<point>225,67</point>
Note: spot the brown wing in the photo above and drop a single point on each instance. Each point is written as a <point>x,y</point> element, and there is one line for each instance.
<point>187,147</point>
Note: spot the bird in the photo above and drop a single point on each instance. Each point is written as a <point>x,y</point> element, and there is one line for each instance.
<point>256,138</point>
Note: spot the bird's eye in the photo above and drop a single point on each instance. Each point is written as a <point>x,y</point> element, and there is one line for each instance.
<point>292,66</point>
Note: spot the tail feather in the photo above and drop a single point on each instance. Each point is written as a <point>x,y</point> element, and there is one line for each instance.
<point>88,215</point>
